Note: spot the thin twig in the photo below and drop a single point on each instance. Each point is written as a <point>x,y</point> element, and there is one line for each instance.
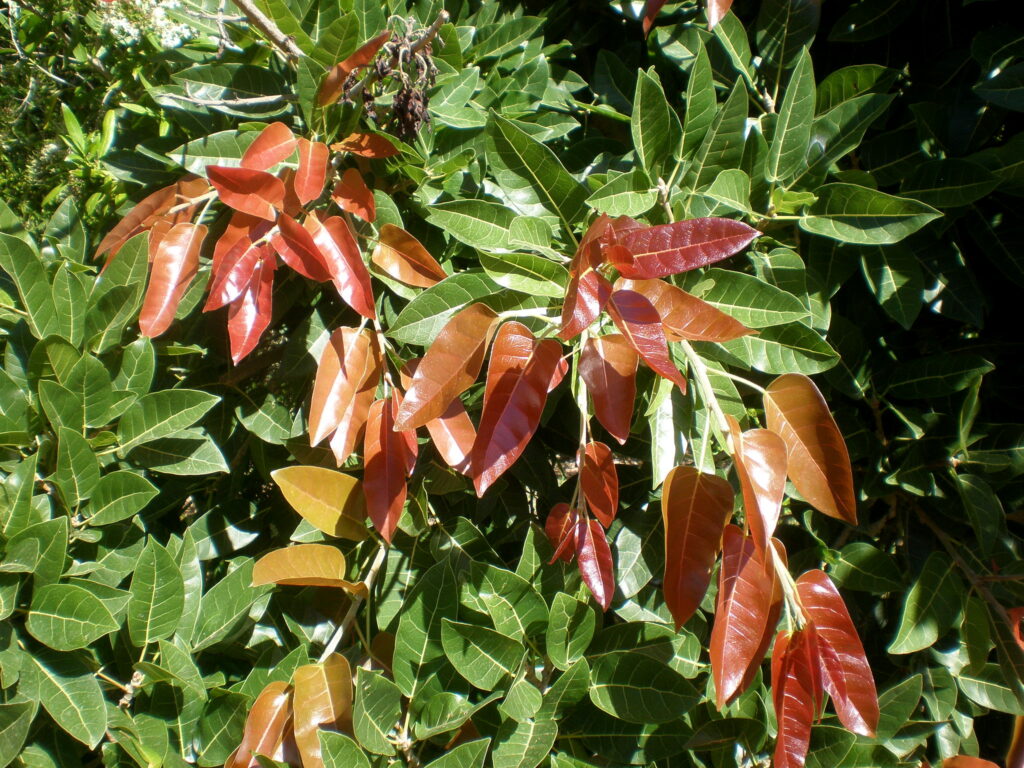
<point>265,25</point>
<point>353,609</point>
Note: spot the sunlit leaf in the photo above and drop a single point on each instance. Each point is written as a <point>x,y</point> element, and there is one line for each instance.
<point>298,250</point>
<point>366,145</point>
<point>175,264</point>
<point>639,322</point>
<point>314,157</point>
<point>560,527</point>
<point>330,501</point>
<point>322,699</point>
<point>794,695</point>
<point>305,565</point>
<point>683,315</point>
<point>351,194</point>
<point>346,379</point>
<point>274,144</point>
<point>668,249</point>
<point>594,558</point>
<point>249,314</point>
<point>404,258</point>
<point>388,457</point>
<point>608,367</point>
<point>761,462</point>
<point>588,290</point>
<point>337,244</point>
<point>147,211</point>
<point>256,193</point>
<point>333,85</point>
<point>600,482</point>
<point>268,728</point>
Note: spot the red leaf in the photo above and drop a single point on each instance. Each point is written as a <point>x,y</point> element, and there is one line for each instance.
<point>850,684</point>
<point>387,462</point>
<point>366,145</point>
<point>351,194</point>
<point>314,157</point>
<point>452,432</point>
<point>760,457</point>
<point>640,324</point>
<point>148,211</point>
<point>741,616</point>
<point>348,366</point>
<point>334,84</point>
<point>588,291</point>
<point>517,378</point>
<point>249,314</point>
<point>608,368</point>
<point>267,728</point>
<point>296,247</point>
<point>157,233</point>
<point>254,192</point>
<point>241,226</point>
<point>651,8</point>
<point>275,143</point>
<point>794,693</point>
<point>404,258</point>
<point>174,266</point>
<point>965,761</point>
<point>335,241</point>
<point>819,464</point>
<point>291,205</point>
<point>695,507</point>
<point>774,613</point>
<point>669,249</point>
<point>684,316</point>
<point>560,528</point>
<point>1015,615</point>
<point>561,369</point>
<point>352,420</point>
<point>235,272</point>
<point>450,367</point>
<point>600,482</point>
<point>716,11</point>
<point>594,559</point>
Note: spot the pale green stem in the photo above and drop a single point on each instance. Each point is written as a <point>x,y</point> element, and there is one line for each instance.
<point>700,373</point>
<point>353,609</point>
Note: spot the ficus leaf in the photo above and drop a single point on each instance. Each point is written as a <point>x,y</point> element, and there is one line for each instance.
<point>668,249</point>
<point>560,527</point>
<point>175,264</point>
<point>256,193</point>
<point>314,157</point>
<point>608,367</point>
<point>351,194</point>
<point>274,144</point>
<point>452,432</point>
<point>249,314</point>
<point>388,457</point>
<point>683,315</point>
<point>639,322</point>
<point>346,379</point>
<point>305,565</point>
<point>600,482</point>
<point>594,558</point>
<point>322,699</point>
<point>794,695</point>
<point>338,246</point>
<point>404,258</point>
<point>267,728</point>
<point>298,250</point>
<point>330,501</point>
<point>761,461</point>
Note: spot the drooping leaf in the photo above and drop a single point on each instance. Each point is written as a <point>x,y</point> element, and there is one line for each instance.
<point>683,315</point>
<point>639,322</point>
<point>322,699</point>
<point>338,246</point>
<point>694,507</point>
<point>404,258</point>
<point>330,501</point>
<point>849,680</point>
<point>388,457</point>
<point>819,464</point>
<point>594,558</point>
<point>256,193</point>
<point>249,314</point>
<point>600,482</point>
<point>366,145</point>
<point>175,264</point>
<point>608,367</point>
<point>274,144</point>
<point>298,250</point>
<point>560,527</point>
<point>450,366</point>
<point>452,433</point>
<point>794,695</point>
<point>668,249</point>
<point>761,462</point>
<point>305,565</point>
<point>314,157</point>
<point>231,277</point>
<point>588,291</point>
<point>147,211</point>
<point>333,85</point>
<point>351,194</point>
<point>267,728</point>
<point>518,375</point>
<point>346,379</point>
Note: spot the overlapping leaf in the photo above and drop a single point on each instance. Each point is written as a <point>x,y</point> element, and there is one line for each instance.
<point>351,194</point>
<point>560,527</point>
<point>330,501</point>
<point>388,458</point>
<point>346,379</point>
<point>322,699</point>
<point>608,367</point>
<point>594,558</point>
<point>683,315</point>
<point>452,433</point>
<point>404,258</point>
<point>366,145</point>
<point>761,461</point>
<point>147,211</point>
<point>268,728</point>
<point>274,144</point>
<point>338,246</point>
<point>175,264</point>
<point>305,565</point>
<point>794,693</point>
<point>333,85</point>
<point>249,314</point>
<point>588,291</point>
<point>639,322</point>
<point>256,193</point>
<point>314,157</point>
<point>600,482</point>
<point>298,250</point>
<point>668,249</point>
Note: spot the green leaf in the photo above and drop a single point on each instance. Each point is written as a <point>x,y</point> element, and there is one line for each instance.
<point>220,727</point>
<point>189,452</point>
<point>897,705</point>
<point>16,495</point>
<point>792,132</point>
<point>783,28</point>
<point>468,755</point>
<point>69,691</point>
<point>15,719</point>
<point>526,273</point>
<point>721,149</point>
<point>839,131</point>
<point>864,567</point>
<point>157,596</point>
<point>375,711</point>
<point>78,470</point>
<point>476,223</point>
<point>514,605</point>
<point>530,174</point>
<point>731,189</point>
<point>984,510</point>
<point>628,194</point>
<point>161,414</point>
<point>948,183</point>
<point>444,712</point>
<point>850,82</point>
<point>61,406</point>
<point>1005,89</point>
<point>638,688</point>
<point>90,383</point>
<point>632,743</point>
<point>752,301</point>
<point>731,35</point>
<point>855,214</point>
<point>118,496</point>
<point>226,605</point>
<point>523,745</point>
<point>67,617</point>
<point>69,302</point>
<point>701,102</point>
<point>418,650</point>
<point>569,689</point>
<point>894,275</point>
<point>784,349</point>
<point>570,630</point>
<point>482,656</point>
<point>987,687</point>
<point>26,270</point>
<point>931,606</point>
<point>40,549</point>
<point>224,148</point>
<point>522,701</point>
<point>339,751</point>
<point>936,375</point>
<point>655,127</point>
<point>138,364</point>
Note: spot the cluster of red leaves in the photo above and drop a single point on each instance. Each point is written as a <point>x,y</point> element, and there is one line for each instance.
<point>269,220</point>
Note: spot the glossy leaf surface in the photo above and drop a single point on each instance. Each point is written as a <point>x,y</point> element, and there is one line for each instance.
<point>346,379</point>
<point>366,145</point>
<point>594,558</point>
<point>760,459</point>
<point>305,565</point>
<point>452,433</point>
<point>249,314</point>
<point>404,258</point>
<point>175,265</point>
<point>388,457</point>
<point>560,527</point>
<point>600,482</point>
<point>683,315</point>
<point>794,695</point>
<point>256,193</point>
<point>588,291</point>
<point>668,249</point>
<point>298,250</point>
<point>330,501</point>
<point>333,85</point>
<point>608,367</point>
<point>639,322</point>
<point>322,699</point>
<point>274,144</point>
<point>267,728</point>
<point>339,249</point>
<point>351,194</point>
<point>314,157</point>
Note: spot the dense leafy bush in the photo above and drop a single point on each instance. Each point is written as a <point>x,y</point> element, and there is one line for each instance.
<point>296,525</point>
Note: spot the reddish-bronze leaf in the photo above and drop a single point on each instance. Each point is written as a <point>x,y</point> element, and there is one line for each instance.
<point>716,11</point>
<point>774,613</point>
<point>157,233</point>
<point>450,367</point>
<point>560,528</point>
<point>314,157</point>
<point>323,699</point>
<point>600,482</point>
<point>148,210</point>
<point>594,559</point>
<point>640,324</point>
<point>366,145</point>
<point>174,266</point>
<point>966,761</point>
<point>819,464</point>
<point>1015,615</point>
<point>249,314</point>
<point>794,693</point>
<point>387,462</point>
<point>684,316</point>
<point>254,192</point>
<point>518,375</point>
<point>334,84</point>
<point>404,258</point>
<point>452,432</point>
<point>275,143</point>
<point>232,275</point>
<point>561,369</point>
<point>669,249</point>
<point>608,368</point>
<point>339,249</point>
<point>849,682</point>
<point>351,194</point>
<point>305,565</point>
<point>268,728</point>
<point>760,460</point>
<point>291,205</point>
<point>348,366</point>
<point>588,291</point>
<point>651,9</point>
<point>694,507</point>
<point>296,248</point>
<point>241,226</point>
